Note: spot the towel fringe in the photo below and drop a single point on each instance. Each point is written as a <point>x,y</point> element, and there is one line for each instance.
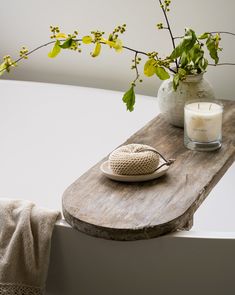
<point>19,289</point>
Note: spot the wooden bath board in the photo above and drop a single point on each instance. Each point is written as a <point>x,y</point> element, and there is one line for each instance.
<point>113,210</point>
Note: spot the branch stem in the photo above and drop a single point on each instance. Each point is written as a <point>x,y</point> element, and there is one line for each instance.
<point>51,42</point>
<point>223,32</point>
<point>35,49</point>
<point>222,64</point>
<point>136,51</point>
<point>136,68</point>
<point>169,29</point>
<point>219,32</point>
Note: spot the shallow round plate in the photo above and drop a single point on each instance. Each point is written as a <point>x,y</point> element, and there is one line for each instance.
<point>106,170</point>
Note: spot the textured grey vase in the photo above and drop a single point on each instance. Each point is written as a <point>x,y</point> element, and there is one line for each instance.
<point>171,102</point>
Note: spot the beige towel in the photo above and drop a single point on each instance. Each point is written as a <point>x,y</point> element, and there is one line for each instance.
<point>25,238</point>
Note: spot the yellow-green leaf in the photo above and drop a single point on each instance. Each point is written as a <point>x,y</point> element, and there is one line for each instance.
<point>87,39</point>
<point>118,45</point>
<point>162,73</point>
<point>97,50</point>
<point>150,67</point>
<point>217,39</point>
<point>55,50</point>
<point>61,35</point>
<point>110,43</point>
<point>2,68</point>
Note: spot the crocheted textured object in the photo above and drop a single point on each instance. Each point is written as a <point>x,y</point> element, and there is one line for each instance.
<point>18,289</point>
<point>134,159</point>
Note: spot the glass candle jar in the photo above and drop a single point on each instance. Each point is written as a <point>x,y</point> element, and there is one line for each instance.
<point>203,125</point>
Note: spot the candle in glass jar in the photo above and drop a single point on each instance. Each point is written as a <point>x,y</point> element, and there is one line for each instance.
<point>203,121</point>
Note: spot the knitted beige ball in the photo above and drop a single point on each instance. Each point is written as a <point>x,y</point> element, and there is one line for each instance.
<point>133,159</point>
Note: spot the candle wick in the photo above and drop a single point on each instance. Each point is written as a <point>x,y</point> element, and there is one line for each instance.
<point>198,106</point>
<point>210,107</point>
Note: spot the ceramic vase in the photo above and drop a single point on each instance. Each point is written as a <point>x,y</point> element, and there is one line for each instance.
<point>171,102</point>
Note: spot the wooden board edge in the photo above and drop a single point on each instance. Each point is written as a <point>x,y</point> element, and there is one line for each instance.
<point>128,234</point>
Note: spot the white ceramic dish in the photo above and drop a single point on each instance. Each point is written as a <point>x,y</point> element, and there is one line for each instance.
<point>106,170</point>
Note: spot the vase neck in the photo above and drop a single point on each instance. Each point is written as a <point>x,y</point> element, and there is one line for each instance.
<point>193,78</point>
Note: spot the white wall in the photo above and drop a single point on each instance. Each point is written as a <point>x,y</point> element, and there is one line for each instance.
<point>27,22</point>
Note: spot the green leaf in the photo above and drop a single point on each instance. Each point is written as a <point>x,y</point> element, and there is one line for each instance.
<point>185,59</point>
<point>97,50</point>
<point>177,52</point>
<point>150,67</point>
<point>129,99</point>
<point>190,38</point>
<point>202,64</point>
<point>205,64</point>
<point>203,36</point>
<point>162,73</point>
<point>55,50</point>
<point>176,80</point>
<point>67,43</point>
<point>196,53</point>
<point>87,39</point>
<point>177,77</point>
<point>212,47</point>
<point>186,44</point>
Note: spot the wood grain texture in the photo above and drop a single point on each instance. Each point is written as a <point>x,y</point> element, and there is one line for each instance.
<point>129,211</point>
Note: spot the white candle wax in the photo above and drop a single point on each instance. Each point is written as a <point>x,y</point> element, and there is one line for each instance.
<point>203,121</point>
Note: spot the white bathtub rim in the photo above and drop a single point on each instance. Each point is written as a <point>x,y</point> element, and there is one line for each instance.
<point>180,234</point>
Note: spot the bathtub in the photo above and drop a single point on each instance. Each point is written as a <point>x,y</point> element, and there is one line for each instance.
<point>50,135</point>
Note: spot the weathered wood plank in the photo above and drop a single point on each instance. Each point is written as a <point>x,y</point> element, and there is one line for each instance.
<point>129,211</point>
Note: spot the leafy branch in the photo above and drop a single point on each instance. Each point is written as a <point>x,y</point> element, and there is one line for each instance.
<point>187,57</point>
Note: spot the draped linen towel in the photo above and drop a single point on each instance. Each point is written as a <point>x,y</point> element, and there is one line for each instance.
<point>25,240</point>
